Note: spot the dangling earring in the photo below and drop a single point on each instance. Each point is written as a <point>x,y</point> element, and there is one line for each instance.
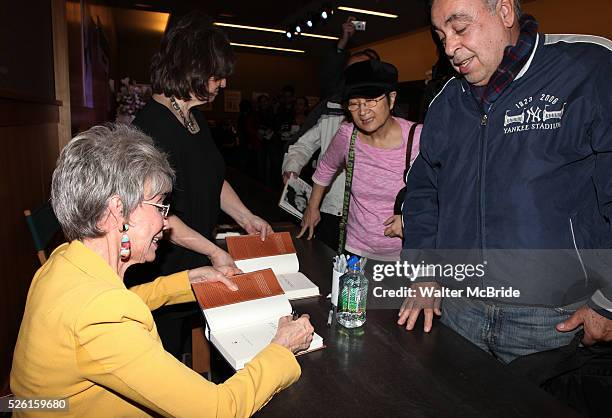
<point>126,248</point>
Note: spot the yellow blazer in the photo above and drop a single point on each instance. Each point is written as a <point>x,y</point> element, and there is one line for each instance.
<point>87,338</point>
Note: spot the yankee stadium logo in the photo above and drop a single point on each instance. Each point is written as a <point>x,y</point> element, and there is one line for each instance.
<point>531,115</point>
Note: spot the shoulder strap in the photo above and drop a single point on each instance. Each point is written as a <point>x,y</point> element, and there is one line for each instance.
<point>350,162</point>
<point>409,144</point>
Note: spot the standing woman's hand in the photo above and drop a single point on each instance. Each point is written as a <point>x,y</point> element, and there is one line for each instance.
<point>312,216</point>
<point>253,224</point>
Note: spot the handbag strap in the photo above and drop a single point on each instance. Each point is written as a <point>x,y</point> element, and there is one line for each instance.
<point>409,146</point>
<point>350,163</point>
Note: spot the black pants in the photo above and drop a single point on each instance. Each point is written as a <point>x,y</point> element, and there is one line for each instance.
<point>328,229</point>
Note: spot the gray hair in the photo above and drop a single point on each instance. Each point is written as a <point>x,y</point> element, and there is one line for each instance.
<point>492,4</point>
<point>102,162</point>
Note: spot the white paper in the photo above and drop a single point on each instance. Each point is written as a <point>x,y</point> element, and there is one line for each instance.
<point>280,264</point>
<point>335,286</point>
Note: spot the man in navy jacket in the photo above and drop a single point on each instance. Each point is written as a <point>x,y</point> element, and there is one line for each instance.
<point>515,170</point>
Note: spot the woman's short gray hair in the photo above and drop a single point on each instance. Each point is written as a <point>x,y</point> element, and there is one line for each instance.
<point>102,162</point>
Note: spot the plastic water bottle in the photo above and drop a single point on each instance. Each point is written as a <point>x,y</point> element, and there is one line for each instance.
<point>353,296</point>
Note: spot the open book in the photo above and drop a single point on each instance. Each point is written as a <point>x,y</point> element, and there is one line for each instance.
<point>242,323</point>
<point>278,253</point>
<point>295,196</point>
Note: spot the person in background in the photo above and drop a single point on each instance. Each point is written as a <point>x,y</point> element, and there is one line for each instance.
<point>440,73</point>
<point>283,123</point>
<point>334,60</point>
<point>318,137</point>
<point>265,132</point>
<point>190,69</point>
<point>285,113</point>
<point>249,144</point>
<point>300,112</point>
<point>516,158</point>
<point>86,337</point>
<point>380,151</point>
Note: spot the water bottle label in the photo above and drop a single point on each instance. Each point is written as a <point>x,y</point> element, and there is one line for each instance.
<point>353,300</point>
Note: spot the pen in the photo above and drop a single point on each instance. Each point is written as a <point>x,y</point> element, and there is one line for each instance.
<point>330,315</point>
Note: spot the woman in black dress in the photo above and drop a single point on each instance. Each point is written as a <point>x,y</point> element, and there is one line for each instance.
<point>189,70</point>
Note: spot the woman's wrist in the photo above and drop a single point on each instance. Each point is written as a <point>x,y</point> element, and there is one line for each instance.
<point>243,217</point>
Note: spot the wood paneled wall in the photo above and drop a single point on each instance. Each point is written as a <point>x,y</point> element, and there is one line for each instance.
<point>29,140</point>
<point>32,131</point>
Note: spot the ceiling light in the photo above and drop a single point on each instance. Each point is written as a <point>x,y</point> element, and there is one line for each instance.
<point>288,34</point>
<point>231,25</point>
<point>314,35</point>
<point>309,23</point>
<point>367,12</point>
<point>298,28</point>
<point>268,47</point>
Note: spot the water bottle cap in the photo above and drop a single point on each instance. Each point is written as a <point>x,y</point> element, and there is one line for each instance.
<point>353,263</point>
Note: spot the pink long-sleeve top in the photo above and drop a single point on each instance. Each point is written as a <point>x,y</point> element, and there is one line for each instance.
<point>377,178</point>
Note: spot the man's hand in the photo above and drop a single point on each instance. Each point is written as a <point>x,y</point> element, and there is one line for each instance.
<point>287,175</point>
<point>394,227</point>
<point>596,327</point>
<point>312,216</point>
<point>253,224</point>
<point>211,274</point>
<point>221,258</point>
<point>412,306</point>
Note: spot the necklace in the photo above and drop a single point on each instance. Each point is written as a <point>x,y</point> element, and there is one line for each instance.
<point>188,122</point>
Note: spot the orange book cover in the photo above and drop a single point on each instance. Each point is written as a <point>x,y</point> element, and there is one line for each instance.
<point>251,246</point>
<point>255,285</point>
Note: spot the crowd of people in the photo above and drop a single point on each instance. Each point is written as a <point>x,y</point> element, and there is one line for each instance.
<point>515,154</point>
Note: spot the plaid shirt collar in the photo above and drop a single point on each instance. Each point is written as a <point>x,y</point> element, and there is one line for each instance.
<point>515,57</point>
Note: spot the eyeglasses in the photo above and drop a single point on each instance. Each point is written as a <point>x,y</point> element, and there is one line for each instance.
<point>368,103</point>
<point>163,209</point>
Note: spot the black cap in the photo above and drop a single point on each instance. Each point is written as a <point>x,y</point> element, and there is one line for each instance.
<point>369,79</point>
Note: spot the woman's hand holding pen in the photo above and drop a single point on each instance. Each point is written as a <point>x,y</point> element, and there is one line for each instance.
<point>295,335</point>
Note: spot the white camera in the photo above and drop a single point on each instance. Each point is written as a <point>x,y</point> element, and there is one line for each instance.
<point>359,24</point>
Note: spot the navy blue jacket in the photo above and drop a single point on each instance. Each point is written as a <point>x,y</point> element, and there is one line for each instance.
<point>532,172</point>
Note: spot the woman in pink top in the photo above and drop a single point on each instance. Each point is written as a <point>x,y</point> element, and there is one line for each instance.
<point>380,160</point>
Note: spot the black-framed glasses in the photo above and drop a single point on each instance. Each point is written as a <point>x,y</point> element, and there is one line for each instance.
<point>368,103</point>
<point>163,209</point>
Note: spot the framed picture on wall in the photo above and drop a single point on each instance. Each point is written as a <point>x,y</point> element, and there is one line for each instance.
<point>231,100</point>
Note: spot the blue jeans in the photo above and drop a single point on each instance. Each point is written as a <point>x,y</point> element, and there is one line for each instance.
<point>507,331</point>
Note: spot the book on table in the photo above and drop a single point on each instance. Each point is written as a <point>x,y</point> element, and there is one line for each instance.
<point>242,323</point>
<point>278,253</point>
<point>295,196</point>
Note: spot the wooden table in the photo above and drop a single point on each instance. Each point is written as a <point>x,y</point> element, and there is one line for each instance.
<point>382,370</point>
